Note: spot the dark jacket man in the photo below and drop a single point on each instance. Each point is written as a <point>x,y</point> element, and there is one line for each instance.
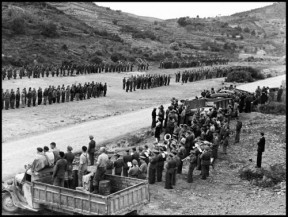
<point>59,170</point>
<point>260,150</point>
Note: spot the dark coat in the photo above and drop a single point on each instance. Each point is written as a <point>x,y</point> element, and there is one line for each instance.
<point>261,145</point>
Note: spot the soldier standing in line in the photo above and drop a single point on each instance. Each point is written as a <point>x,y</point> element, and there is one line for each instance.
<point>104,89</point>
<point>47,71</point>
<point>12,99</point>
<point>54,93</point>
<point>58,94</point>
<point>7,99</point>
<point>192,166</point>
<point>17,98</point>
<point>23,98</point>
<point>9,75</point>
<point>124,82</point>
<point>127,85</point>
<point>45,95</point>
<point>34,96</point>
<point>67,93</point>
<point>131,84</point>
<point>3,73</point>
<point>29,97</point>
<point>40,94</point>
<point>160,164</point>
<point>14,73</point>
<point>63,93</point>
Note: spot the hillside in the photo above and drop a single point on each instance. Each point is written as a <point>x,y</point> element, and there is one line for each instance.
<point>85,32</point>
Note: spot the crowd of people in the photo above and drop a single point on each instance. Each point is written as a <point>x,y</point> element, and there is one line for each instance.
<point>67,69</point>
<point>193,62</point>
<point>145,82</point>
<point>50,95</point>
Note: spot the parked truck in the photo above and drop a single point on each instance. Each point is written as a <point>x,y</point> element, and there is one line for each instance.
<point>35,192</point>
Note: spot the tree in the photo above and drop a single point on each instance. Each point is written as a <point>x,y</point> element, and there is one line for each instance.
<point>115,22</point>
<point>246,29</point>
<point>253,32</point>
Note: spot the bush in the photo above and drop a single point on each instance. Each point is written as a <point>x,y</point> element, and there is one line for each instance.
<point>18,26</point>
<point>174,46</point>
<point>117,56</point>
<point>183,21</point>
<point>115,22</point>
<point>95,60</point>
<point>277,108</point>
<point>239,76</point>
<point>49,29</point>
<point>269,75</point>
<point>64,47</point>
<point>255,73</point>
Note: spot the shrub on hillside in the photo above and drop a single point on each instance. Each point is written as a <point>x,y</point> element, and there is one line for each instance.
<point>277,108</point>
<point>239,76</point>
<point>183,21</point>
<point>18,26</point>
<point>49,29</point>
<point>269,75</point>
<point>95,60</point>
<point>174,46</point>
<point>255,73</point>
<point>117,56</point>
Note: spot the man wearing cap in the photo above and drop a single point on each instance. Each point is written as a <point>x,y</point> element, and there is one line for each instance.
<point>127,158</point>
<point>59,170</point>
<point>69,156</point>
<point>118,165</point>
<point>91,149</point>
<point>40,162</point>
<point>135,155</point>
<point>152,167</point>
<point>177,163</point>
<point>181,155</point>
<point>142,168</point>
<point>83,165</point>
<point>160,165</point>
<point>170,168</point>
<point>205,163</point>
<point>192,165</point>
<point>49,155</point>
<point>260,150</point>
<point>101,169</point>
<point>238,130</point>
<point>134,170</point>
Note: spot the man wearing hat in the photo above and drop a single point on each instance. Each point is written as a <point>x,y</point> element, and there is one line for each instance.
<point>260,150</point>
<point>143,167</point>
<point>91,149</point>
<point>152,167</point>
<point>170,168</point>
<point>69,156</point>
<point>118,164</point>
<point>101,169</point>
<point>181,155</point>
<point>40,162</point>
<point>192,165</point>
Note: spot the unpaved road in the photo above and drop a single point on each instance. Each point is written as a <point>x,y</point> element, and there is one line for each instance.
<point>19,152</point>
<point>269,82</point>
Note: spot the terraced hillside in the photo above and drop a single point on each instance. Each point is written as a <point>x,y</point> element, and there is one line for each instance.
<point>82,31</point>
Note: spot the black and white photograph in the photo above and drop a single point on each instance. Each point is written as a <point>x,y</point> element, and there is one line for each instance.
<point>143,108</point>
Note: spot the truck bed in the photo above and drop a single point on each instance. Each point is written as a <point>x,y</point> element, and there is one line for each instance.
<point>127,194</point>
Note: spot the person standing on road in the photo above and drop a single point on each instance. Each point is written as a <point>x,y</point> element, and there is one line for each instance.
<point>83,165</point>
<point>170,168</point>
<point>260,150</point>
<point>205,163</point>
<point>238,130</point>
<point>17,98</point>
<point>101,169</point>
<point>12,99</point>
<point>143,168</point>
<point>152,167</point>
<point>153,118</point>
<point>91,150</point>
<point>192,166</point>
<point>127,158</point>
<point>59,171</point>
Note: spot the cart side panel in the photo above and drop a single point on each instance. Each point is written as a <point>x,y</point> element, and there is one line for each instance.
<point>68,199</point>
<point>128,200</point>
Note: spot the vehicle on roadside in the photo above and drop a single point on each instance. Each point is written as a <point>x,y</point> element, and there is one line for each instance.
<point>35,192</point>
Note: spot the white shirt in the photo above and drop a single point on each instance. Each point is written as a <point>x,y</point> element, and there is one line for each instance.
<point>50,158</point>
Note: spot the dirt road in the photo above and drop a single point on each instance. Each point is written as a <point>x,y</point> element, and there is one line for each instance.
<point>269,82</point>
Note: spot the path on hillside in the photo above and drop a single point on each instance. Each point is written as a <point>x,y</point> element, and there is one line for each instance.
<point>17,153</point>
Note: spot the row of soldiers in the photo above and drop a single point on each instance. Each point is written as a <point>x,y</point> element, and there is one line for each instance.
<point>52,95</point>
<point>193,62</point>
<point>37,71</point>
<point>145,82</point>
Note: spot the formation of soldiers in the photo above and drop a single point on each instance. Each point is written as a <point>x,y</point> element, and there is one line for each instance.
<point>145,82</point>
<point>52,95</point>
<point>193,62</point>
<point>37,71</point>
